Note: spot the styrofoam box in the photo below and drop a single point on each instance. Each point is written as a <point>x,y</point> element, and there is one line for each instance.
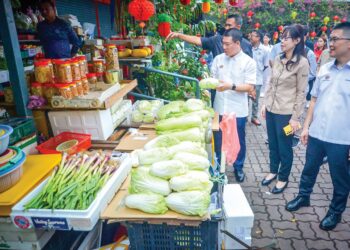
<point>239,217</point>
<point>12,237</point>
<point>98,123</point>
<point>59,219</point>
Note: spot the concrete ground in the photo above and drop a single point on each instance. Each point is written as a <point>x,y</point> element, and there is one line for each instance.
<point>298,230</point>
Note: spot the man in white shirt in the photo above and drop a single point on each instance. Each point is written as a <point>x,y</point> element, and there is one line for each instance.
<point>237,74</point>
<point>261,57</point>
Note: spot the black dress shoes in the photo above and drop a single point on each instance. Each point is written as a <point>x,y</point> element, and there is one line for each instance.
<point>265,182</point>
<point>239,174</point>
<point>298,202</point>
<point>330,221</point>
<point>276,190</point>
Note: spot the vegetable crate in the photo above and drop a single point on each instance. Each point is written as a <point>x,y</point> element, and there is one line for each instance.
<point>174,237</point>
<point>22,127</point>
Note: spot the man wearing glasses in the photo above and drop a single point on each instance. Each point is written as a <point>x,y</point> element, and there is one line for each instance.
<point>214,43</point>
<point>327,129</point>
<point>237,74</point>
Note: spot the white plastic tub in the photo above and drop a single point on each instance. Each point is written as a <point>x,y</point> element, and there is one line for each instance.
<point>59,219</point>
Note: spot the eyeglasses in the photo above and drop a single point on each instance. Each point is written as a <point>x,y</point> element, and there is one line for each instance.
<point>285,38</point>
<point>334,39</point>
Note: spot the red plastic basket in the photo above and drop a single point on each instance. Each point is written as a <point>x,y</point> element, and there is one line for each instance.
<point>49,147</point>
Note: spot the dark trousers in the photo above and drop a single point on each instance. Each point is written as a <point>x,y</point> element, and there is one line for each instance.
<point>239,163</point>
<point>337,156</point>
<point>280,145</point>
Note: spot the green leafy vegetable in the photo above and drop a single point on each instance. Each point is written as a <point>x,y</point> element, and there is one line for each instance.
<point>194,105</point>
<point>137,116</point>
<point>179,123</point>
<point>193,180</point>
<point>194,162</point>
<point>168,169</point>
<point>149,203</point>
<point>162,141</point>
<point>189,147</point>
<point>171,109</point>
<point>209,83</point>
<point>189,202</point>
<point>148,157</point>
<point>193,134</point>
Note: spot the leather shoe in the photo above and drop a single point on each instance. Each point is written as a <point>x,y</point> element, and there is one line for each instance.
<point>239,174</point>
<point>330,221</point>
<point>298,202</point>
<point>276,190</point>
<point>256,122</point>
<point>265,182</point>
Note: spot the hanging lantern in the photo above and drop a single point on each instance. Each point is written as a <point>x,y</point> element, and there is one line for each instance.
<point>293,15</point>
<point>280,28</point>
<point>290,2</point>
<point>270,2</point>
<point>312,15</point>
<point>336,19</point>
<point>313,35</point>
<point>142,25</point>
<point>164,25</point>
<point>219,1</point>
<point>257,26</point>
<point>224,11</point>
<point>141,10</point>
<point>185,2</point>
<point>275,36</point>
<point>326,20</point>
<point>343,20</point>
<point>250,14</point>
<point>324,29</point>
<point>206,6</point>
<point>233,3</point>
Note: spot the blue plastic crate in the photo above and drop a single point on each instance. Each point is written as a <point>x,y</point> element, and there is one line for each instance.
<point>147,236</point>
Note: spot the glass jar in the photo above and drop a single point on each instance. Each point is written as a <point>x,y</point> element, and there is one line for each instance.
<point>64,90</point>
<point>37,89</point>
<point>83,66</point>
<point>111,55</point>
<point>8,94</point>
<point>49,91</point>
<point>80,89</point>
<point>91,77</point>
<point>42,71</point>
<point>75,65</point>
<point>86,87</point>
<point>73,88</point>
<point>98,66</point>
<point>99,77</point>
<point>63,71</point>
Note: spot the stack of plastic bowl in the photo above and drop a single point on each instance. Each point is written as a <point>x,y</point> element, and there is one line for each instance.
<point>11,160</point>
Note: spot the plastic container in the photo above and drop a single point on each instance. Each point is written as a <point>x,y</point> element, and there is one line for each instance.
<point>91,77</point>
<point>49,147</point>
<point>86,87</point>
<point>164,236</point>
<point>49,91</point>
<point>98,66</point>
<point>37,89</point>
<point>80,88</point>
<point>74,89</point>
<point>63,71</point>
<point>22,127</point>
<point>83,66</point>
<point>5,137</point>
<point>75,65</point>
<point>64,90</point>
<point>43,71</point>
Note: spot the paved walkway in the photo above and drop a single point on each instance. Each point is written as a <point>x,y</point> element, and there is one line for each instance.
<point>298,230</point>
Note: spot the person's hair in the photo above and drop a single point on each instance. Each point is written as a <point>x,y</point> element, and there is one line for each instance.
<point>324,38</point>
<point>306,29</point>
<point>260,35</point>
<point>295,31</point>
<point>47,1</point>
<point>268,35</point>
<point>345,27</point>
<point>237,17</point>
<point>235,34</point>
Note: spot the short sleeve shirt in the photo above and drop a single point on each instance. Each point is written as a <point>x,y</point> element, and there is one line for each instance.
<point>240,69</point>
<point>261,57</point>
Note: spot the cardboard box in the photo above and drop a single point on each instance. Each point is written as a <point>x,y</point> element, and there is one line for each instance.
<point>131,142</point>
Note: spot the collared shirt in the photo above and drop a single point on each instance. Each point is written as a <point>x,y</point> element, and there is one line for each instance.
<point>285,95</point>
<point>261,57</point>
<point>331,122</point>
<point>240,69</point>
<point>277,50</point>
<point>214,44</point>
<point>56,38</point>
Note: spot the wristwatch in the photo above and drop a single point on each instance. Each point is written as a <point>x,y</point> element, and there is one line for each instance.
<point>233,86</point>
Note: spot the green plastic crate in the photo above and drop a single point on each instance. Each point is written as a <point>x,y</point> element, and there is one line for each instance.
<point>22,127</point>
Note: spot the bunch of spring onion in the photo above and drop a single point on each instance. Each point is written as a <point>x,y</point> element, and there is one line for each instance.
<point>75,183</point>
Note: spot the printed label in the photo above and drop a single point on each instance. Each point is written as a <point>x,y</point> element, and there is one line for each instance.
<point>50,223</point>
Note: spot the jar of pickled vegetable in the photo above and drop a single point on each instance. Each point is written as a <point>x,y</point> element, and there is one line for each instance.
<point>49,91</point>
<point>83,66</point>
<point>92,79</point>
<point>75,65</point>
<point>98,66</point>
<point>37,89</point>
<point>42,71</point>
<point>64,90</point>
<point>111,55</point>
<point>63,71</point>
<point>80,89</point>
<point>86,87</point>
<point>74,89</point>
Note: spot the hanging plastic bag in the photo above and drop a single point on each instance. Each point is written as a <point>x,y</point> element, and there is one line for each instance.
<point>230,140</point>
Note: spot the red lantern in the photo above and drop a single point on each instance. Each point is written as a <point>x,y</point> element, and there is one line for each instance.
<point>164,29</point>
<point>141,10</point>
<point>142,25</point>
<point>219,1</point>
<point>275,36</point>
<point>270,1</point>
<point>257,26</point>
<point>233,2</point>
<point>336,19</point>
<point>250,14</point>
<point>290,2</point>
<point>185,2</point>
<point>324,28</point>
<point>280,28</point>
<point>312,15</point>
<point>343,20</point>
<point>313,34</point>
<point>224,11</point>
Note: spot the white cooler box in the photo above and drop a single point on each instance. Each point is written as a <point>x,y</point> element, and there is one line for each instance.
<point>99,123</point>
<point>239,217</point>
